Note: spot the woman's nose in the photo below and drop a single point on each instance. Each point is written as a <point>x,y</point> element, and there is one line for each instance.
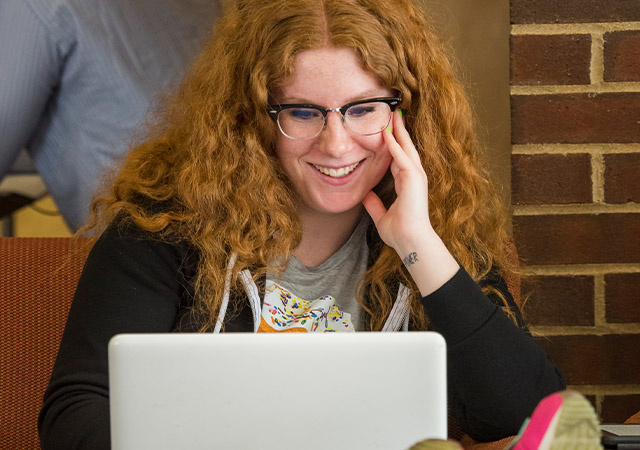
<point>336,138</point>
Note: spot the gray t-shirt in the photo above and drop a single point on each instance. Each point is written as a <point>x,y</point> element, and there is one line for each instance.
<point>337,277</point>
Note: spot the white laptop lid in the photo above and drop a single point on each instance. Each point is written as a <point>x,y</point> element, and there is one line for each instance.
<point>277,391</point>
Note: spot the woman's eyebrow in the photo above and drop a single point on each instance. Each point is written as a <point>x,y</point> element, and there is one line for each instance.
<point>371,93</point>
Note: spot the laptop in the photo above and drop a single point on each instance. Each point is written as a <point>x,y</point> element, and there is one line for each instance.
<point>620,436</point>
<point>277,391</point>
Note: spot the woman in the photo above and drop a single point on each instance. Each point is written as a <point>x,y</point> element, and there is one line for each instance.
<point>317,171</point>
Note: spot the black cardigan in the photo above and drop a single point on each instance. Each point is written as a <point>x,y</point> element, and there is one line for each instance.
<point>133,282</point>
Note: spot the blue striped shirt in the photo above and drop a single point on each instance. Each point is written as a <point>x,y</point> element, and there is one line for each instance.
<point>78,76</point>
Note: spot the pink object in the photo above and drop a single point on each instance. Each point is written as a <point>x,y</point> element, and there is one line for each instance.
<point>540,423</point>
<point>561,421</point>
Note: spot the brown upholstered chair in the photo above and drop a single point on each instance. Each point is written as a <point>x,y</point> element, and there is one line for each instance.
<point>38,277</point>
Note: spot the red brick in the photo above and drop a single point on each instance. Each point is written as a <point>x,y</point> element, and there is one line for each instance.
<point>578,238</point>
<point>622,55</point>
<point>622,178</point>
<point>575,118</point>
<point>588,359</point>
<point>550,59</point>
<point>558,300</point>
<point>622,296</point>
<point>574,11</point>
<point>544,179</point>
<point>618,408</point>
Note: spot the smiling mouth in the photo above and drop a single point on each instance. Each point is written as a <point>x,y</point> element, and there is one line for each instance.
<point>337,173</point>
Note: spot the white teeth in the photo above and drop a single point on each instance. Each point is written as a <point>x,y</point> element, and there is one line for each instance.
<point>337,173</point>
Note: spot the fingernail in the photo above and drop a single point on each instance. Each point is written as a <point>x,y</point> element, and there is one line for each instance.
<point>400,111</point>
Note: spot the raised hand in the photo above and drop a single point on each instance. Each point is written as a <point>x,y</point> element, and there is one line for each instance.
<point>408,216</point>
<point>405,226</point>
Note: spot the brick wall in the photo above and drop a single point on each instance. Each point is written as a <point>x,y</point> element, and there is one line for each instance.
<point>575,106</point>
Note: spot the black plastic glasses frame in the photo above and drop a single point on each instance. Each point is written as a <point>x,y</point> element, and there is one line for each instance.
<point>274,110</point>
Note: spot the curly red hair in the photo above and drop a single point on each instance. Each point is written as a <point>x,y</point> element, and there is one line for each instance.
<point>210,157</point>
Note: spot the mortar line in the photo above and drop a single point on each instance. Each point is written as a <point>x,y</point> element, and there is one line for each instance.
<point>607,389</point>
<point>572,28</point>
<point>579,269</point>
<point>532,149</point>
<point>599,302</point>
<point>597,59</point>
<point>573,330</point>
<point>566,89</point>
<point>597,178</point>
<point>575,208</point>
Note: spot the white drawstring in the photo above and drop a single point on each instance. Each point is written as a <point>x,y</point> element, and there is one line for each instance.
<point>254,297</point>
<point>405,325</point>
<point>227,290</point>
<point>399,315</point>
<point>250,288</point>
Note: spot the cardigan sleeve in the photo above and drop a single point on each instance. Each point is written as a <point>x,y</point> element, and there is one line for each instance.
<point>130,283</point>
<point>497,373</point>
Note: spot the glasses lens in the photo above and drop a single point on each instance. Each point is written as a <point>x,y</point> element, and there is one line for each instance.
<point>300,123</point>
<point>368,118</point>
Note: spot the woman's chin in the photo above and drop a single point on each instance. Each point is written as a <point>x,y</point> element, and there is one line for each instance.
<point>336,206</point>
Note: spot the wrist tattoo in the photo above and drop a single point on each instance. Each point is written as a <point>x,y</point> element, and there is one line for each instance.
<point>410,259</point>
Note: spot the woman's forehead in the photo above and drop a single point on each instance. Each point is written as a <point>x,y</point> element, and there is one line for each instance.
<point>329,73</point>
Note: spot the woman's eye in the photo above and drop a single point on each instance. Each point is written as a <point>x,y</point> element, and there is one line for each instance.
<point>361,110</point>
<point>303,113</point>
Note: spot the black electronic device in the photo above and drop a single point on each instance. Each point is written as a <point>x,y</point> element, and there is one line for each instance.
<point>621,436</point>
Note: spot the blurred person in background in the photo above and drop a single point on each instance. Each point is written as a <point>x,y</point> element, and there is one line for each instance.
<point>78,76</point>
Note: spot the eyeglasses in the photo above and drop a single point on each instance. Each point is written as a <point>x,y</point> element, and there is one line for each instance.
<point>306,121</point>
